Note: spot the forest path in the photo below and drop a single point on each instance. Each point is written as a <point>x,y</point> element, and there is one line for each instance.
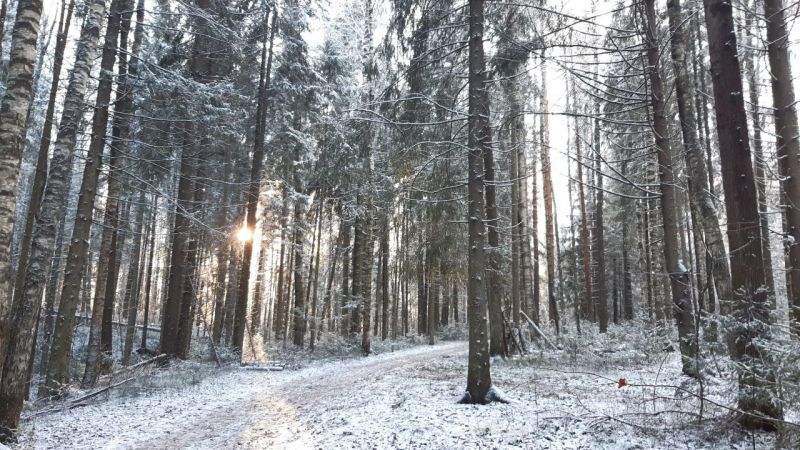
<point>406,400</point>
<point>275,415</point>
<point>245,409</point>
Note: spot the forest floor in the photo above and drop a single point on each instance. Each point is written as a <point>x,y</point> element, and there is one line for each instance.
<point>408,399</point>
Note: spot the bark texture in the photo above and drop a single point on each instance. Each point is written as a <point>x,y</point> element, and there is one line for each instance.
<point>680,286</point>
<point>788,146</point>
<point>77,256</point>
<point>750,308</point>
<point>701,197</point>
<point>479,379</point>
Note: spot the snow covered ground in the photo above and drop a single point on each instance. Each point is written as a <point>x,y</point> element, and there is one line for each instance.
<point>406,399</point>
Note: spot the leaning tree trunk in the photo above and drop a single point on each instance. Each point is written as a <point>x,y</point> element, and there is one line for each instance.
<point>678,275</point>
<point>48,227</point>
<point>40,174</point>
<point>77,256</point>
<point>38,195</point>
<point>100,339</point>
<point>757,389</point>
<point>788,146</point>
<point>701,197</point>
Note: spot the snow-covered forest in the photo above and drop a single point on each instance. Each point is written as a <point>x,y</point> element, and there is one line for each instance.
<point>446,224</point>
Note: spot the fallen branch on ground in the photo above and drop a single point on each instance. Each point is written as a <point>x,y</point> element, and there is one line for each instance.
<point>539,331</point>
<point>79,401</point>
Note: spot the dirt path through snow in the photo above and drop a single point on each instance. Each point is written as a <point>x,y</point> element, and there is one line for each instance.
<point>407,400</point>
<point>249,409</point>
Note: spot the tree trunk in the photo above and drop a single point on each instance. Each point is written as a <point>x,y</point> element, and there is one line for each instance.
<point>534,202</point>
<point>40,175</point>
<point>520,243</point>
<point>316,323</point>
<point>3,12</point>
<point>253,190</point>
<point>494,279</point>
<point>751,313</point>
<point>678,275</point>
<point>171,308</point>
<point>456,317</point>
<point>149,271</point>
<point>378,294</point>
<point>47,232</point>
<point>702,199</point>
<point>599,275</point>
<point>396,291</point>
<point>336,253</point>
<point>222,254</point>
<point>133,283</point>
<point>422,303</point>
<point>58,366</point>
<point>231,291</point>
<point>13,116</point>
<point>759,164</point>
<point>516,236</point>
<point>384,281</point>
<point>344,311</point>
<point>100,340</point>
<point>16,349</point>
<point>573,263</point>
<point>479,380</point>
<point>365,267</point>
<point>547,188</point>
<point>587,305</point>
<point>627,279</point>
<point>298,313</point>
<point>280,306</point>
<point>788,146</point>
<point>188,288</point>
